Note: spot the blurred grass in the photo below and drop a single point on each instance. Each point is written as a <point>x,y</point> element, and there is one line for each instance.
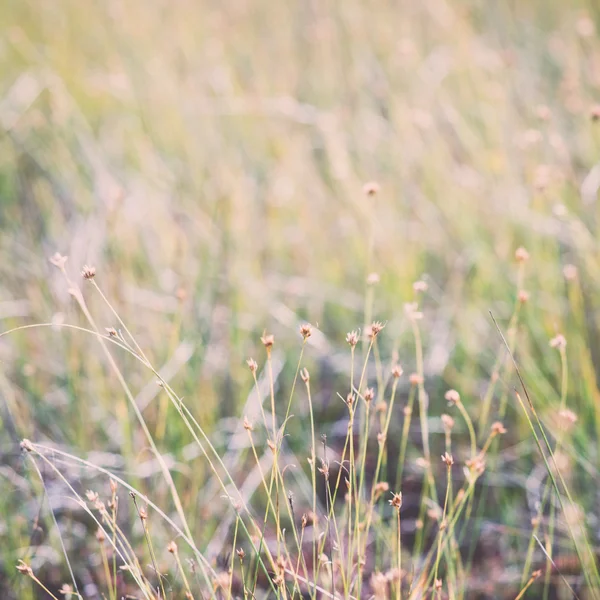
<point>208,159</point>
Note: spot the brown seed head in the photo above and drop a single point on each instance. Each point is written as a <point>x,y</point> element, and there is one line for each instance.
<point>58,260</point>
<point>247,424</point>
<point>438,584</point>
<point>396,500</point>
<point>267,340</point>
<point>88,272</point>
<point>252,365</point>
<point>26,445</point>
<point>397,371</point>
<point>375,329</point>
<point>448,422</point>
<point>558,341</point>
<point>536,574</point>
<point>111,332</point>
<point>371,188</point>
<point>304,374</point>
<point>305,330</point>
<point>448,459</point>
<point>172,547</point>
<point>498,428</point>
<point>91,496</point>
<point>350,398</point>
<point>100,535</point>
<point>415,379</point>
<point>369,395</point>
<point>352,338</point>
<point>241,554</point>
<point>24,568</point>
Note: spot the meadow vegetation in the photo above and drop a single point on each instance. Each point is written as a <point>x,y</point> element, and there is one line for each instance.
<point>299,299</point>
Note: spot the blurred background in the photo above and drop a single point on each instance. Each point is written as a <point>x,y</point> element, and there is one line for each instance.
<point>209,160</point>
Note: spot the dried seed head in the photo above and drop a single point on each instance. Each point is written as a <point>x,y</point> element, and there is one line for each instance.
<point>113,486</point>
<point>92,496</point>
<point>448,459</point>
<point>305,375</point>
<point>438,584</point>
<point>324,469</point>
<point>304,521</point>
<point>305,330</point>
<point>66,590</point>
<point>558,341</point>
<point>415,379</point>
<point>381,407</point>
<point>396,500</point>
<point>100,535</point>
<point>252,365</point>
<point>369,395</point>
<point>448,423</point>
<point>381,438</point>
<point>26,445</point>
<point>568,418</point>
<point>570,272</point>
<point>380,488</point>
<point>521,255</point>
<point>247,424</point>
<point>371,188</point>
<point>373,279</point>
<point>498,428</point>
<point>536,574</point>
<point>397,371</point>
<point>88,272</point>
<point>24,568</point>
<point>241,554</point>
<point>595,112</point>
<point>272,445</point>
<point>111,332</point>
<point>350,398</point>
<point>352,338</point>
<point>172,547</point>
<point>452,397</point>
<point>267,340</point>
<point>375,329</point>
<point>143,513</point>
<point>58,260</point>
<point>420,286</point>
<point>523,296</point>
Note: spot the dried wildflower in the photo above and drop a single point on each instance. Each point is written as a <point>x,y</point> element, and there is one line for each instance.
<point>111,332</point>
<point>305,375</point>
<point>143,512</point>
<point>422,463</point>
<point>415,379</point>
<point>375,329</point>
<point>304,520</point>
<point>305,330</point>
<point>523,296</point>
<point>24,568</point>
<point>113,486</point>
<point>570,272</point>
<point>448,423</point>
<point>396,500</point>
<point>324,469</point>
<point>352,338</point>
<point>536,574</point>
<point>247,424</point>
<point>88,272</point>
<point>26,445</point>
<point>595,112</point>
<point>92,496</point>
<point>475,466</point>
<point>381,407</point>
<point>498,428</point>
<point>100,535</point>
<point>252,365</point>
<point>380,488</point>
<point>350,398</point>
<point>272,445</point>
<point>379,585</point>
<point>172,547</point>
<point>411,309</point>
<point>373,279</point>
<point>58,260</point>
<point>438,585</point>
<point>521,255</point>
<point>448,459</point>
<point>267,340</point>
<point>371,188</point>
<point>66,589</point>
<point>420,286</point>
<point>241,554</point>
<point>452,397</point>
<point>397,371</point>
<point>369,395</point>
<point>558,341</point>
<point>381,438</point>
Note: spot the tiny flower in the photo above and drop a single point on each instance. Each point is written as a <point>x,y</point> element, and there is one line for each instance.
<point>111,332</point>
<point>26,445</point>
<point>396,500</point>
<point>397,371</point>
<point>66,589</point>
<point>372,279</point>
<point>172,547</point>
<point>452,397</point>
<point>267,340</point>
<point>100,535</point>
<point>58,260</point>
<point>247,424</point>
<point>420,286</point>
<point>448,459</point>
<point>558,341</point>
<point>24,568</point>
<point>305,375</point>
<point>438,584</point>
<point>92,496</point>
<point>498,428</point>
<point>371,188</point>
<point>448,422</point>
<point>241,554</point>
<point>324,469</point>
<point>536,574</point>
<point>88,272</point>
<point>252,365</point>
<point>352,338</point>
<point>369,395</point>
<point>521,255</point>
<point>570,272</point>
<point>350,398</point>
<point>375,329</point>
<point>305,330</point>
<point>568,418</point>
<point>523,296</point>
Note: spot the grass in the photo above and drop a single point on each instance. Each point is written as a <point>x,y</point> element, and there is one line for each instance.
<point>235,170</point>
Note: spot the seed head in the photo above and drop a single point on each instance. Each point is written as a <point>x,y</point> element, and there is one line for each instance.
<point>396,500</point>
<point>111,332</point>
<point>521,255</point>
<point>172,547</point>
<point>24,568</point>
<point>267,340</point>
<point>100,535</point>
<point>375,329</point>
<point>570,272</point>
<point>240,552</point>
<point>498,428</point>
<point>352,338</point>
<point>26,445</point>
<point>448,459</point>
<point>247,424</point>
<point>448,422</point>
<point>452,396</point>
<point>58,260</point>
<point>568,418</point>
<point>397,371</point>
<point>438,584</point>
<point>381,488</point>
<point>420,286</point>
<point>304,374</point>
<point>369,395</point>
<point>558,341</point>
<point>305,330</point>
<point>381,438</point>
<point>523,296</point>
<point>92,496</point>
<point>272,445</point>
<point>252,365</point>
<point>88,272</point>
<point>373,279</point>
<point>371,188</point>
<point>66,590</point>
<point>350,398</point>
<point>415,379</point>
